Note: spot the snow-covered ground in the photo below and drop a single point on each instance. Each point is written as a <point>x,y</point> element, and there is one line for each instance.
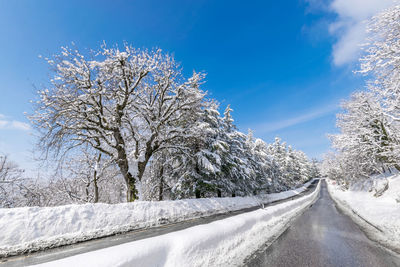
<point>381,213</point>
<point>30,229</point>
<point>224,242</point>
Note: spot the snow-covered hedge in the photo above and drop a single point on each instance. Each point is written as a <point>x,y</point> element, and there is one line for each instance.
<point>380,216</point>
<point>226,242</point>
<point>33,228</point>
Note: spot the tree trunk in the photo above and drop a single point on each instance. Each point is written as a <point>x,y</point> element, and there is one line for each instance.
<point>131,194</point>
<point>96,188</point>
<point>87,190</point>
<point>161,186</point>
<point>149,152</point>
<point>96,191</point>
<point>198,193</point>
<point>219,193</point>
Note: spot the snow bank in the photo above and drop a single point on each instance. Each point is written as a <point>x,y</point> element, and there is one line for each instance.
<point>34,228</point>
<point>225,242</point>
<point>379,216</point>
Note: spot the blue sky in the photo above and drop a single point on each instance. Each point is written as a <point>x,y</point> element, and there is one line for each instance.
<point>283,66</point>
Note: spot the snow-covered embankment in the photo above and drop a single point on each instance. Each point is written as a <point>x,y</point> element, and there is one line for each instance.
<point>31,229</point>
<point>378,216</point>
<point>224,242</point>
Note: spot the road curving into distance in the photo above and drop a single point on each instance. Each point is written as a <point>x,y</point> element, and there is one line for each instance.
<point>323,236</point>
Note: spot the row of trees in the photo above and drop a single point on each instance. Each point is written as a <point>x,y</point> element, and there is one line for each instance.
<point>130,120</point>
<point>248,166</point>
<point>369,141</point>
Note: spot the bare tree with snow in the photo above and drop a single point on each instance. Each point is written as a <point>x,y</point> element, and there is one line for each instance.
<point>10,178</point>
<point>126,104</point>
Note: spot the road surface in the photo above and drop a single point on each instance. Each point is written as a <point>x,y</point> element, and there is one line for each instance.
<point>322,236</point>
<point>71,250</point>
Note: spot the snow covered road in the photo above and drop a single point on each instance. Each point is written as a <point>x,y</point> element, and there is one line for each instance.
<point>137,235</point>
<point>322,236</point>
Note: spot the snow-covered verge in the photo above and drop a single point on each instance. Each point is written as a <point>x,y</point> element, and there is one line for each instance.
<point>226,242</point>
<point>34,228</point>
<point>378,216</point>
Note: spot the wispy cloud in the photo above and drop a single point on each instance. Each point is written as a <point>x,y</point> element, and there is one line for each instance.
<point>348,28</point>
<point>20,125</point>
<point>6,123</point>
<point>268,127</point>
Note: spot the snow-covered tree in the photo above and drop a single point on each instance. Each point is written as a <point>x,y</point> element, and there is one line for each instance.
<point>237,166</point>
<point>11,181</point>
<point>200,171</point>
<point>264,167</point>
<point>278,151</point>
<point>365,137</point>
<point>382,58</point>
<point>17,190</point>
<point>219,160</point>
<point>83,173</point>
<point>315,169</point>
<point>234,167</point>
<point>292,166</point>
<point>370,124</point>
<point>127,104</point>
<point>381,62</point>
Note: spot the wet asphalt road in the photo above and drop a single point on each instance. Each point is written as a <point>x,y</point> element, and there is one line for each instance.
<point>71,250</point>
<point>322,236</point>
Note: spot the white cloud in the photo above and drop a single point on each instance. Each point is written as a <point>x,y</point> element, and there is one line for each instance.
<point>20,125</point>
<point>282,124</point>
<point>349,27</point>
<point>3,123</point>
<point>13,124</point>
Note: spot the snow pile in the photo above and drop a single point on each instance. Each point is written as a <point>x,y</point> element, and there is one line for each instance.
<point>380,216</point>
<point>225,242</point>
<point>33,228</point>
